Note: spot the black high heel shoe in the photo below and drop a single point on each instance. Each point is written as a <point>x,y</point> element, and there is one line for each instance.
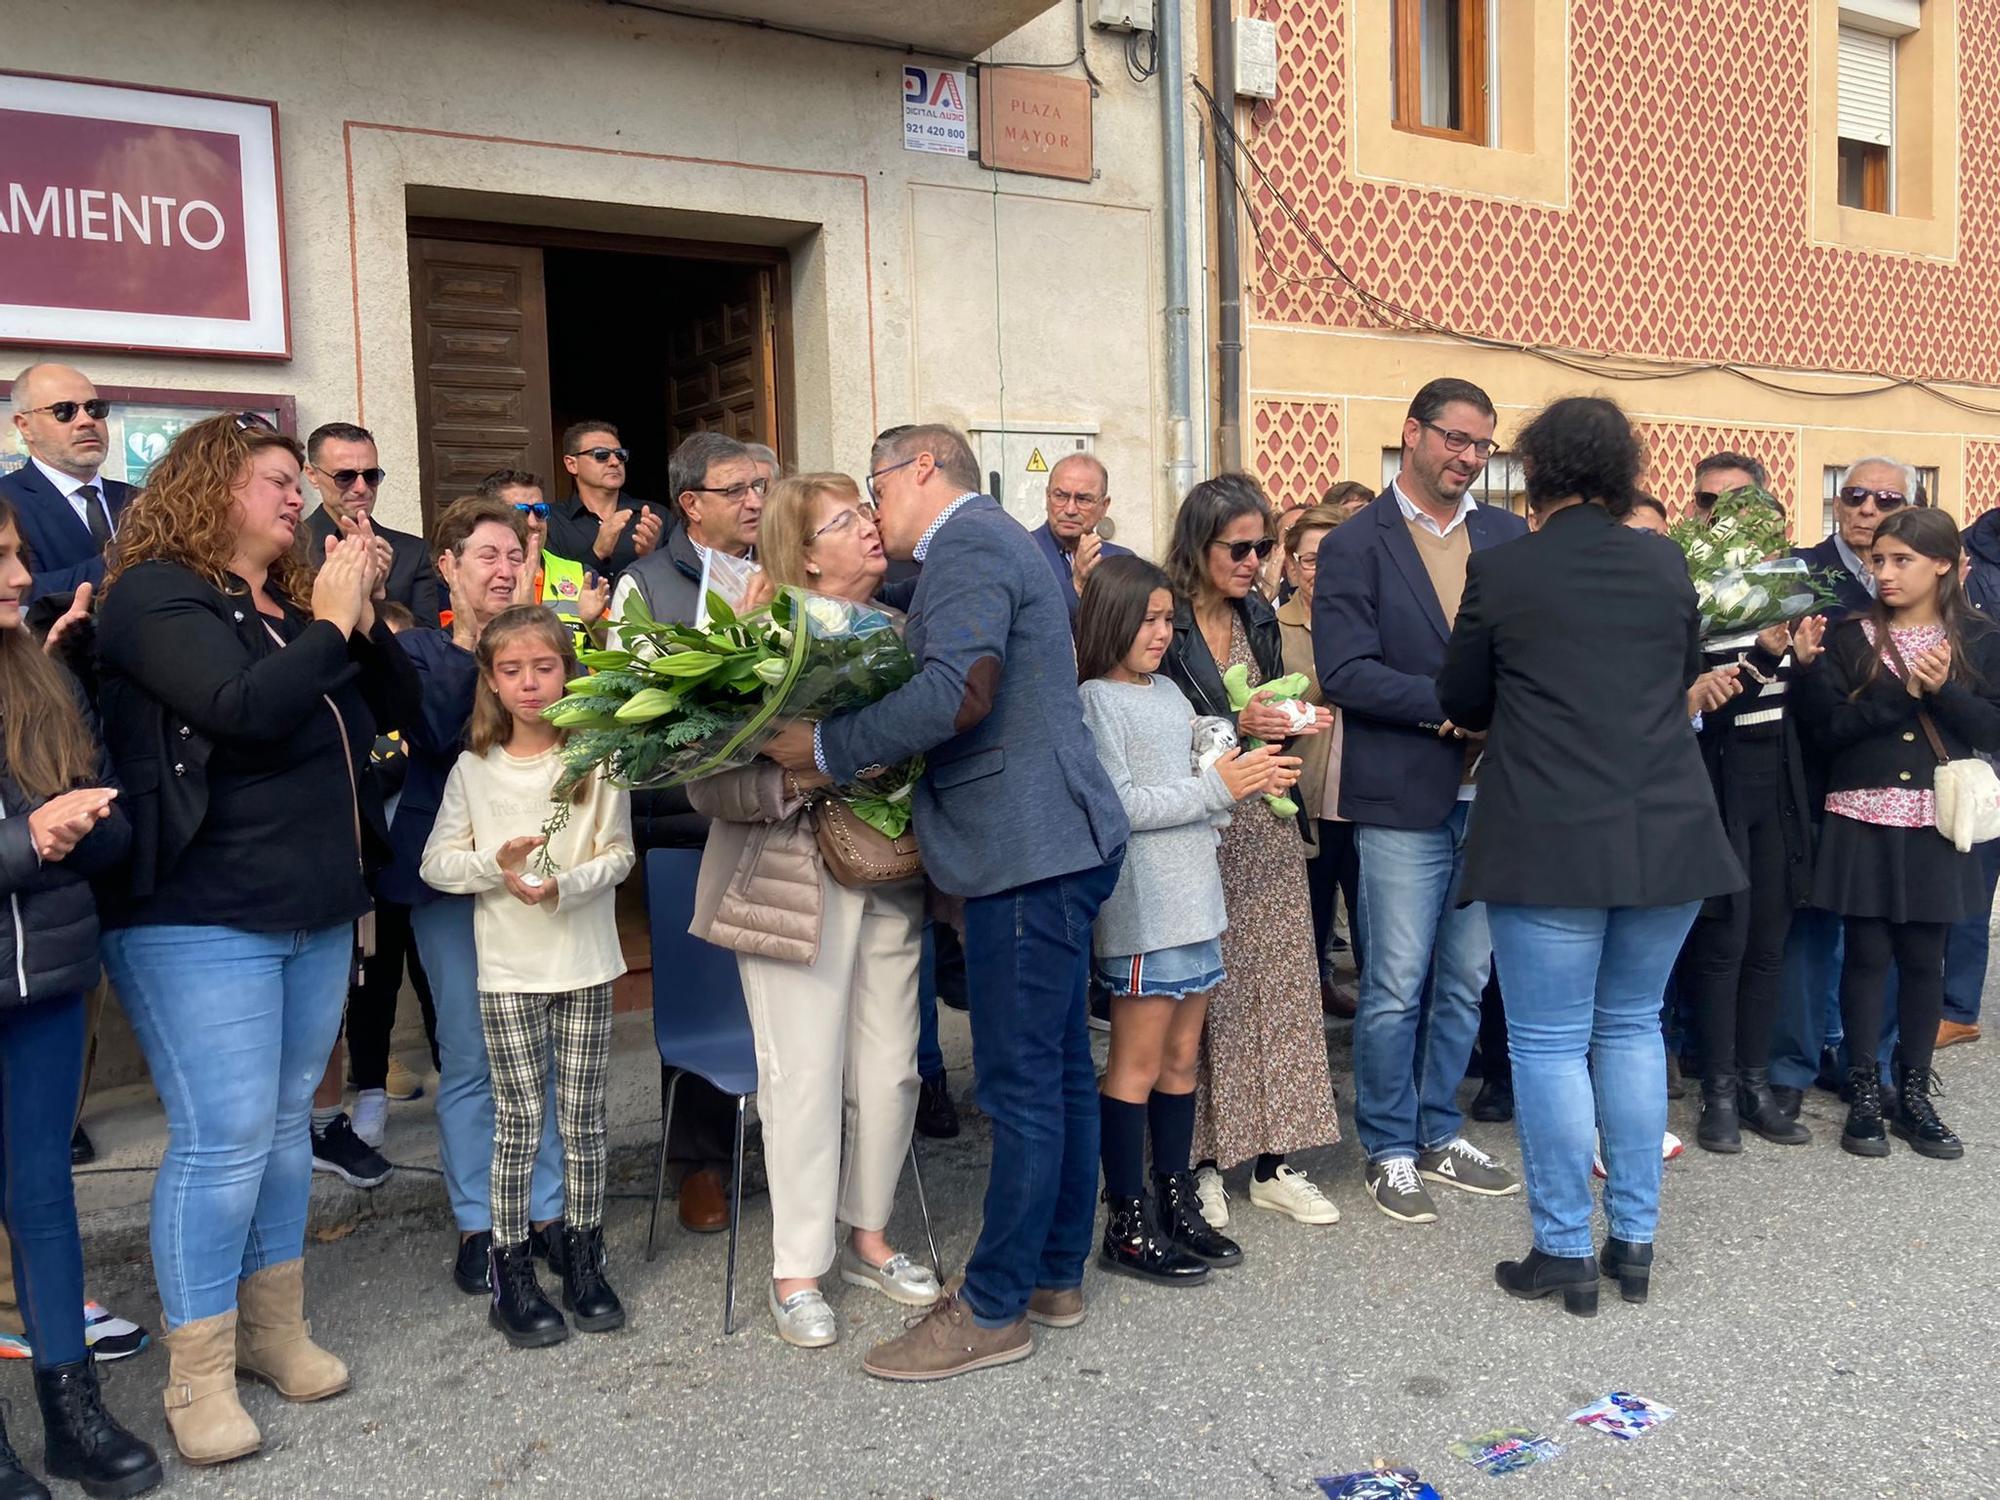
<point>1537,1275</point>
<point>1630,1265</point>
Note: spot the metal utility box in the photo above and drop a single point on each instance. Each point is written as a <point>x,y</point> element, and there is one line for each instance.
<point>1122,15</point>
<point>1016,462</point>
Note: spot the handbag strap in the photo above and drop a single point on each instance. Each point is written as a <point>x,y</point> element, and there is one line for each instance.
<point>1923,714</point>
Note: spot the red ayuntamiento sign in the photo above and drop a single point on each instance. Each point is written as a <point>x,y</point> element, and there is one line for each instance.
<point>139,219</point>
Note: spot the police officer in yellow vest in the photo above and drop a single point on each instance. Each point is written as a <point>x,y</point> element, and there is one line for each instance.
<point>564,584</point>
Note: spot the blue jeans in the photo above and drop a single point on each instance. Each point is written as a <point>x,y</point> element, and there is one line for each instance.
<point>930,1056</point>
<point>236,1027</point>
<point>41,1074</point>
<point>1027,961</point>
<point>1583,1018</point>
<point>465,1080</point>
<point>1418,1010</point>
<point>1965,947</point>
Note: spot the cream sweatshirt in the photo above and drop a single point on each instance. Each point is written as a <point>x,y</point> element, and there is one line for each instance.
<point>568,943</point>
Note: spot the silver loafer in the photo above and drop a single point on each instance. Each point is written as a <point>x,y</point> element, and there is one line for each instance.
<point>898,1278</point>
<point>804,1319</point>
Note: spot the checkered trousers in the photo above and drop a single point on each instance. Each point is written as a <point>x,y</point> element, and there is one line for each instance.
<point>519,1031</point>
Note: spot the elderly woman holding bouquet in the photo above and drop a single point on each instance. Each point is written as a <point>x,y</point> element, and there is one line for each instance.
<point>829,970</point>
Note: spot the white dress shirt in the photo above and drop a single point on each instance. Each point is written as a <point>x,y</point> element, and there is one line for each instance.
<point>1466,506</point>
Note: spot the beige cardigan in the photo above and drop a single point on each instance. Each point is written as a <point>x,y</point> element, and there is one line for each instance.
<point>1295,639</point>
<point>759,887</point>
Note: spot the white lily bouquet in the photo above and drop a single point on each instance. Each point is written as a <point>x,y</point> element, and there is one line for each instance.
<point>1743,578</point>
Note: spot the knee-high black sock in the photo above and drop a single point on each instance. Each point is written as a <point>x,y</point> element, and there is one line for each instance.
<point>1172,1119</point>
<point>1122,1146</point>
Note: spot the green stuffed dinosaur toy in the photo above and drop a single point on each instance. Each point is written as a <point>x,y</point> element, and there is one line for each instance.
<point>1283,690</point>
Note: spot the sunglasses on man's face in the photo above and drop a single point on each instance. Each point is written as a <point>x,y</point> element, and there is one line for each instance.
<point>344,478</point>
<point>603,455</point>
<point>1857,496</point>
<point>539,509</point>
<point>65,411</point>
<point>1240,550</point>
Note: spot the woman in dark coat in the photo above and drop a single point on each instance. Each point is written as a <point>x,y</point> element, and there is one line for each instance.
<point>1594,838</point>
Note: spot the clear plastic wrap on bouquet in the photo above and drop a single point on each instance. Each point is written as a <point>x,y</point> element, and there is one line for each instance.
<point>1742,601</point>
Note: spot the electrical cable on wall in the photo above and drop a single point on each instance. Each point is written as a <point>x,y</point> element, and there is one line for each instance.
<point>1603,366</point>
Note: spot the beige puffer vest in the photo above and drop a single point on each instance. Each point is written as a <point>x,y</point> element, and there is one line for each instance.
<point>759,890</point>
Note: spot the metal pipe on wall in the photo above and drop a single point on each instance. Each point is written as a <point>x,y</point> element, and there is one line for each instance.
<point>1228,260</point>
<point>1173,162</point>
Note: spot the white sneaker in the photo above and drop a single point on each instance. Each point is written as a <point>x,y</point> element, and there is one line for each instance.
<point>1292,1192</point>
<point>371,1116</point>
<point>1671,1149</point>
<point>1212,1197</point>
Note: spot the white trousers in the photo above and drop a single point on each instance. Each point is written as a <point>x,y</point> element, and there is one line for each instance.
<point>837,1061</point>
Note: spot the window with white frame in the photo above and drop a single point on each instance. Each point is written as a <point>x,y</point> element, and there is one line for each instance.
<point>1870,33</point>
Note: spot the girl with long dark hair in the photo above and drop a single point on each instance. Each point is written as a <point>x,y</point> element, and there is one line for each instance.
<point>1915,680</point>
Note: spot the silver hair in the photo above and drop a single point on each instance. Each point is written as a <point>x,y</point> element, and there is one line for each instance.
<point>764,453</point>
<point>1908,471</point>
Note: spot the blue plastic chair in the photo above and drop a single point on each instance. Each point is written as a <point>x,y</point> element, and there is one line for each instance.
<point>700,1026</point>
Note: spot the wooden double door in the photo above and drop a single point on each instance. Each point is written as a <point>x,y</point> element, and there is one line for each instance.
<point>688,344</point>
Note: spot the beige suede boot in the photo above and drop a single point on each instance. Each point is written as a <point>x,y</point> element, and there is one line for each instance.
<point>209,1424</point>
<point>274,1340</point>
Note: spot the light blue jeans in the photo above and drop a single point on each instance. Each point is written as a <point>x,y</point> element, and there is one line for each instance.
<point>1426,961</point>
<point>1583,1024</point>
<point>236,1027</point>
<point>443,931</point>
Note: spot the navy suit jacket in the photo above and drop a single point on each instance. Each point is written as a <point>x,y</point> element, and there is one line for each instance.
<point>1059,561</point>
<point>1854,596</point>
<point>1379,637</point>
<point>1012,791</point>
<point>61,551</point>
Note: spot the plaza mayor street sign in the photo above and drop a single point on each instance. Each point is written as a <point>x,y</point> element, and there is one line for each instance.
<point>140,219</point>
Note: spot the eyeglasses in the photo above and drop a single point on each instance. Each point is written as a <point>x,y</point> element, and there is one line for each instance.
<point>1240,550</point>
<point>65,411</point>
<point>1082,500</point>
<point>1458,441</point>
<point>1857,497</point>
<point>245,420</point>
<point>1705,499</point>
<point>539,509</point>
<point>845,521</point>
<point>1306,562</point>
<point>603,455</point>
<point>890,470</point>
<point>344,478</point>
<point>735,494</point>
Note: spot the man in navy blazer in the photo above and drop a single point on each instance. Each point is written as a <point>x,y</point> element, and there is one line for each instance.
<point>69,515</point>
<point>1078,494</point>
<point>1015,814</point>
<point>1389,586</point>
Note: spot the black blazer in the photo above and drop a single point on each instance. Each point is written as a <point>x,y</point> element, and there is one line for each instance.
<point>1825,558</point>
<point>1192,668</point>
<point>61,551</point>
<point>1874,740</point>
<point>1574,648</point>
<point>413,581</point>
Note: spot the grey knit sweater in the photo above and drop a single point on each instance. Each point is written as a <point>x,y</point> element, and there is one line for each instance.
<point>1170,889</point>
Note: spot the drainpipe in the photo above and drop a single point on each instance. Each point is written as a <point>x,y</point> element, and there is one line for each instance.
<point>1173,153</point>
<point>1228,264</point>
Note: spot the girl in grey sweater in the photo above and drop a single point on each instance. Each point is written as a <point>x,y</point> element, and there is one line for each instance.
<point>1157,940</point>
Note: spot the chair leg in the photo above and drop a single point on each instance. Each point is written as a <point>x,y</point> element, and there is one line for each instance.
<point>735,1221</point>
<point>924,1208</point>
<point>669,1087</point>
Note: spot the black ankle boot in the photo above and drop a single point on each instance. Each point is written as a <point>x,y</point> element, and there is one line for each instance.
<point>547,1243</point>
<point>586,1293</point>
<point>1630,1265</point>
<point>1182,1224</point>
<point>1758,1110</point>
<point>1717,1130</point>
<point>1537,1275</point>
<point>519,1310</point>
<point>16,1483</point>
<point>1131,1245</point>
<point>1863,1134</point>
<point>1916,1121</point>
<point>84,1444</point>
<point>1494,1103</point>
<point>472,1270</point>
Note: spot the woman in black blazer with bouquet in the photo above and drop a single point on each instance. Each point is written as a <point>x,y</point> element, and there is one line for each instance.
<point>1594,836</point>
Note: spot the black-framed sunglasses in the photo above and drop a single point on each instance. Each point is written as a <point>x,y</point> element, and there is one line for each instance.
<point>603,455</point>
<point>892,468</point>
<point>1858,496</point>
<point>344,478</point>
<point>1458,441</point>
<point>1705,499</point>
<point>539,509</point>
<point>1240,550</point>
<point>735,494</point>
<point>97,409</point>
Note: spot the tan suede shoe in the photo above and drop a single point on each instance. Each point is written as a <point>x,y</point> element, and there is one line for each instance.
<point>207,1420</point>
<point>948,1341</point>
<point>1056,1307</point>
<point>274,1340</point>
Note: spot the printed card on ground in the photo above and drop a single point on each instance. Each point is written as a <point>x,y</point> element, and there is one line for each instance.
<point>1622,1415</point>
<point>1505,1450</point>
<point>1376,1484</point>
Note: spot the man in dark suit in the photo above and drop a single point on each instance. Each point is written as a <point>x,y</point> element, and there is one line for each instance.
<point>68,514</point>
<point>341,463</point>
<point>1078,495</point>
<point>1017,816</point>
<point>1389,585</point>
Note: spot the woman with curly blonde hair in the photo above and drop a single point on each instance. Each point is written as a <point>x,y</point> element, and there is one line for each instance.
<point>240,695</point>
